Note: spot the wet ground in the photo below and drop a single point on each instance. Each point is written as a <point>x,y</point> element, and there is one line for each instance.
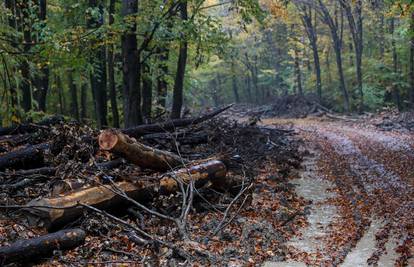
<point>359,181</point>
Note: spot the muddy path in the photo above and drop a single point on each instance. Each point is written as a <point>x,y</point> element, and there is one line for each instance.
<point>359,182</point>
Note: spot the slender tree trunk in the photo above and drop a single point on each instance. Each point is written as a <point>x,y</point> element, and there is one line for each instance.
<point>381,35</point>
<point>396,90</point>
<point>328,65</point>
<point>84,109</point>
<point>25,25</point>
<point>181,64</point>
<point>234,82</point>
<point>98,75</point>
<point>74,107</point>
<point>43,82</point>
<point>249,87</point>
<point>337,44</point>
<point>131,67</point>
<point>355,27</point>
<point>411,59</point>
<point>215,89</point>
<point>146,93</point>
<point>60,95</point>
<point>298,72</point>
<point>162,79</point>
<point>111,71</point>
<point>312,36</point>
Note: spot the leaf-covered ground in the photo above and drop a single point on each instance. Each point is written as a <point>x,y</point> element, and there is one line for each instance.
<point>369,203</point>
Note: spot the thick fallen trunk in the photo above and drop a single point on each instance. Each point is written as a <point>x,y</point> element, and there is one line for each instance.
<point>57,211</point>
<point>213,171</point>
<point>25,158</point>
<point>32,249</point>
<point>137,153</point>
<point>170,125</point>
<point>31,127</point>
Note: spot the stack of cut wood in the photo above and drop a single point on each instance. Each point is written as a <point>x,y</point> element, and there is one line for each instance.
<point>70,195</point>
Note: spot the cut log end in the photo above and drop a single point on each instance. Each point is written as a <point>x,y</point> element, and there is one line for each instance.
<point>108,140</point>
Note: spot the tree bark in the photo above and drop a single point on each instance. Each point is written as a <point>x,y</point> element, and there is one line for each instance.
<point>146,93</point>
<point>211,171</point>
<point>180,74</point>
<point>101,197</point>
<point>411,59</point>
<point>98,75</point>
<point>24,158</point>
<point>111,71</point>
<point>309,26</point>
<point>28,250</point>
<point>83,100</point>
<point>74,107</point>
<point>337,44</point>
<point>137,153</point>
<point>395,89</point>
<point>356,29</point>
<point>298,72</point>
<point>43,81</point>
<point>162,85</point>
<point>234,81</point>
<point>25,26</point>
<point>131,68</point>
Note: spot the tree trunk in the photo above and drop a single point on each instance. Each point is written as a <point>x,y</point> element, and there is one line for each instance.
<point>98,74</point>
<point>146,93</point>
<point>395,89</point>
<point>101,197</point>
<point>355,27</point>
<point>131,67</point>
<point>312,36</point>
<point>137,153</point>
<point>26,26</point>
<point>61,95</point>
<point>84,108</point>
<point>181,64</point>
<point>24,158</point>
<point>298,73</point>
<point>337,44</point>
<point>162,79</point>
<point>411,59</point>
<point>28,250</point>
<point>249,87</point>
<point>234,81</point>
<point>74,107</point>
<point>111,71</point>
<point>43,81</point>
<point>211,171</point>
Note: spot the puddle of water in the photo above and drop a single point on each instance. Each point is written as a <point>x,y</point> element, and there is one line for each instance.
<point>314,188</point>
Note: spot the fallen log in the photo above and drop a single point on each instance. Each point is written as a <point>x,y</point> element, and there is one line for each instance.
<point>170,125</point>
<point>25,158</point>
<point>29,250</point>
<point>57,211</point>
<point>137,153</point>
<point>47,171</point>
<point>213,171</point>
<point>31,127</point>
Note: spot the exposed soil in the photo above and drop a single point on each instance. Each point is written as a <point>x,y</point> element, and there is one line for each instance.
<point>360,184</point>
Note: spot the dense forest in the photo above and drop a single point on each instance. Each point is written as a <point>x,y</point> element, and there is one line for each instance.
<point>126,62</point>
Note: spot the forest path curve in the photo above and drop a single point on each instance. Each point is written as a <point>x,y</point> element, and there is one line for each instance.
<point>359,181</point>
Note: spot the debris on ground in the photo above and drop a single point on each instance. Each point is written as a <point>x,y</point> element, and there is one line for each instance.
<point>203,190</point>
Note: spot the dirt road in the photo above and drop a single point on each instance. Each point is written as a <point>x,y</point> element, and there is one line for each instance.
<point>359,183</point>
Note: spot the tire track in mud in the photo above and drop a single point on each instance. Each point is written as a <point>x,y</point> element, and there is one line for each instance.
<point>370,191</point>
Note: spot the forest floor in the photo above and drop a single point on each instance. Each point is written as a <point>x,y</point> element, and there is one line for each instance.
<point>316,191</point>
<point>358,181</point>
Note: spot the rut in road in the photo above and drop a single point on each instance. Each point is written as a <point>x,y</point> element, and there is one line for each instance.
<point>360,181</point>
